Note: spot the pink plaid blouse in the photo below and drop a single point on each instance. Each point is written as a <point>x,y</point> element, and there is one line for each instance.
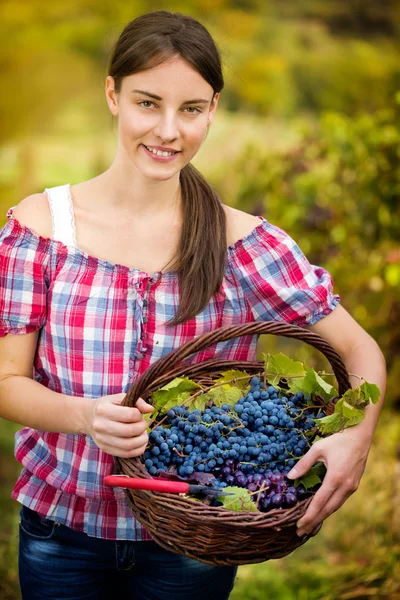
<point>102,324</point>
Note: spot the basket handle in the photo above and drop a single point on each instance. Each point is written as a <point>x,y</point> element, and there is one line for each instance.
<point>170,360</point>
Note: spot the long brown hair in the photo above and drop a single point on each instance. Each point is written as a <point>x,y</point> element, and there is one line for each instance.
<point>146,42</point>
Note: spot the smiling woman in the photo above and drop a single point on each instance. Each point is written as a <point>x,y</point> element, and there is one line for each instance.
<point>87,304</point>
<point>171,116</point>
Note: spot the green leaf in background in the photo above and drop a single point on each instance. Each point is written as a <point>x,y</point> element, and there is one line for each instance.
<point>239,501</point>
<point>237,378</point>
<point>313,384</point>
<point>281,366</point>
<point>314,476</point>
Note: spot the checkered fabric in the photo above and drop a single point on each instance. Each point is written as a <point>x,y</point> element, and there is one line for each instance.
<point>101,326</point>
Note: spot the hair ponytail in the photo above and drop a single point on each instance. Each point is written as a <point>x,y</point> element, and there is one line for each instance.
<point>202,251</point>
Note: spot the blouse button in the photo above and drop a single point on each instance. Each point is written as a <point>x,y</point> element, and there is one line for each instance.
<point>144,319</point>
<point>145,302</point>
<point>139,355</point>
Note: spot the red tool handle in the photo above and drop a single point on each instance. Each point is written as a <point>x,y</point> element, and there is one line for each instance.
<point>155,485</point>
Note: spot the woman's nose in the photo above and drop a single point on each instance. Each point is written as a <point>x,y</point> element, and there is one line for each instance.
<point>167,127</point>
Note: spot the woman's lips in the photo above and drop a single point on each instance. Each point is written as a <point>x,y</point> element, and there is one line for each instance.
<point>160,158</point>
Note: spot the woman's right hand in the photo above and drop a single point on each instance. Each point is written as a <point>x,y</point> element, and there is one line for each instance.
<point>118,430</point>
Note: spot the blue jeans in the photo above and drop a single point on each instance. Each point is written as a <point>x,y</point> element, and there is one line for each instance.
<point>56,562</point>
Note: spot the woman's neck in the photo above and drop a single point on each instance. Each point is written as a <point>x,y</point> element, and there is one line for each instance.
<point>137,195</point>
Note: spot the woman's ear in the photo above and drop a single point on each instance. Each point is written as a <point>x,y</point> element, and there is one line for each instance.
<point>112,96</point>
<point>213,108</point>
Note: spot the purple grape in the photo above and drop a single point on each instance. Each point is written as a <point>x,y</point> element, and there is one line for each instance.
<point>276,478</point>
<point>257,478</point>
<point>266,486</point>
<point>241,481</point>
<point>238,473</point>
<point>280,487</point>
<point>276,499</point>
<point>265,503</point>
<point>290,499</point>
<point>230,480</point>
<point>252,487</point>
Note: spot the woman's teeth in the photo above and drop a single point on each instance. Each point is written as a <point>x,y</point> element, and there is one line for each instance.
<point>159,152</point>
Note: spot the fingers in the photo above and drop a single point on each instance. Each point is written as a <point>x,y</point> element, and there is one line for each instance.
<point>124,447</point>
<point>118,429</point>
<point>306,462</point>
<point>122,414</point>
<point>143,406</point>
<point>335,502</point>
<point>326,501</point>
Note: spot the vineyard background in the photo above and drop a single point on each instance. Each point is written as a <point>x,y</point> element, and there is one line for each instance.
<point>307,134</point>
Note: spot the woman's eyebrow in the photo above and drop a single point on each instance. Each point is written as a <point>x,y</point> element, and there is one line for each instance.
<point>196,101</point>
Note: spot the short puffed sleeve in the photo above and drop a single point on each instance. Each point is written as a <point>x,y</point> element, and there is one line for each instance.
<point>24,260</point>
<point>277,280</point>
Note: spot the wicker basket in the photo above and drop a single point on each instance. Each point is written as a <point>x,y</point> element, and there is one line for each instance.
<point>215,535</point>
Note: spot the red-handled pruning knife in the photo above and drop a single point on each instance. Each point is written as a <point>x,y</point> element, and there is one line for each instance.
<point>161,485</point>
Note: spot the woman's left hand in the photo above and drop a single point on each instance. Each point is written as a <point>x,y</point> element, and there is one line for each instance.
<point>344,455</point>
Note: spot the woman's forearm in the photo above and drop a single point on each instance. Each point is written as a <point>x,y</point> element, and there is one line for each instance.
<point>366,360</point>
<point>27,402</point>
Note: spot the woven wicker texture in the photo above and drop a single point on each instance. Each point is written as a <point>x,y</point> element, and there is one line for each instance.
<point>215,535</point>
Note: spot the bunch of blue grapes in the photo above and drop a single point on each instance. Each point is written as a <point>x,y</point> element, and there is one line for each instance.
<point>253,444</point>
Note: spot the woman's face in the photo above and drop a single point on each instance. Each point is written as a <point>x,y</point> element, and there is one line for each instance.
<point>163,109</point>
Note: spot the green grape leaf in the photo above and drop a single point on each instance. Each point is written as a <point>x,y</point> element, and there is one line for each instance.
<point>240,500</point>
<point>313,384</point>
<point>240,379</point>
<point>313,477</point>
<point>199,402</point>
<point>281,366</point>
<point>174,393</point>
<point>349,411</point>
<point>363,395</point>
<point>183,384</point>
<point>331,423</point>
<point>222,395</point>
<point>150,417</point>
<point>371,391</point>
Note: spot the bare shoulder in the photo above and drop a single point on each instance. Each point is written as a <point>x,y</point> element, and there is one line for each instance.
<point>34,212</point>
<point>238,224</point>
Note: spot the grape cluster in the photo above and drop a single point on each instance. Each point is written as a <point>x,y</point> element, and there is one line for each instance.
<point>253,444</point>
<point>274,489</point>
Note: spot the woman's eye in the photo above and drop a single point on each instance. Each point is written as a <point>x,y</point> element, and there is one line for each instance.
<point>194,109</point>
<point>143,102</point>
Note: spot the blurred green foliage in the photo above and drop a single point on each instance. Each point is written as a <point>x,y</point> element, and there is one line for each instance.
<point>337,192</point>
<point>280,58</point>
<point>307,135</point>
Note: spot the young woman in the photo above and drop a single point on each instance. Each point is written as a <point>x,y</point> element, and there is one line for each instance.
<point>102,278</point>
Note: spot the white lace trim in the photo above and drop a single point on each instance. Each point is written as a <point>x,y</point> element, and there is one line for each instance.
<point>72,214</point>
<point>62,214</point>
